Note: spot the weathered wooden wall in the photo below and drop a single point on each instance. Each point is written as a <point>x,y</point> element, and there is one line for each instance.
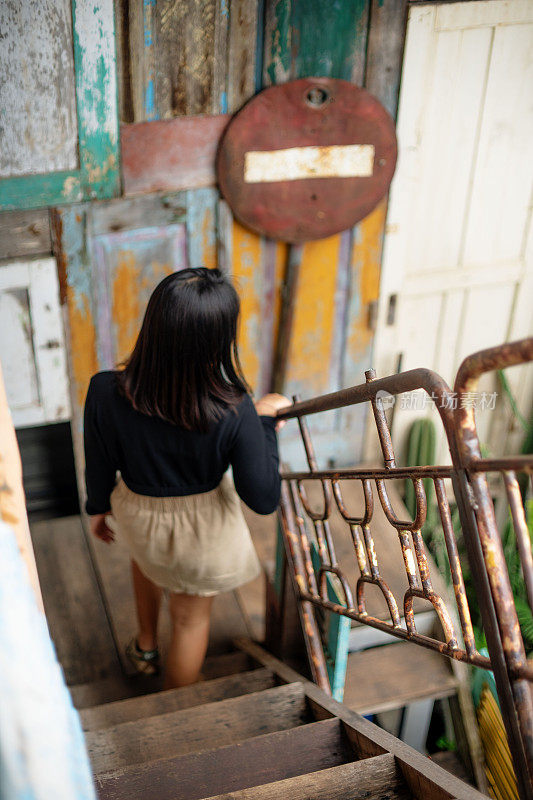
<point>180,59</point>
<point>189,58</point>
<point>45,139</point>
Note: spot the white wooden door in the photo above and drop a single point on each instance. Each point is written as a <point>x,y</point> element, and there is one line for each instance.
<point>457,271</point>
<point>32,347</point>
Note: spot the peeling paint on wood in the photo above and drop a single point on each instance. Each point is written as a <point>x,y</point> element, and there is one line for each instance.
<point>201,228</point>
<point>126,302</point>
<point>365,273</point>
<point>273,260</point>
<point>183,35</point>
<point>293,49</point>
<point>83,361</point>
<point>39,129</point>
<point>192,57</point>
<point>96,90</point>
<point>126,267</point>
<point>107,279</point>
<point>96,103</point>
<point>125,215</point>
<point>246,258</point>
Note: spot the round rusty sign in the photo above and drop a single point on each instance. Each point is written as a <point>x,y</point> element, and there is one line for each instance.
<point>307,159</point>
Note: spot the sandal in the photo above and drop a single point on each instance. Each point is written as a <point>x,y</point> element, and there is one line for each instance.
<point>145,662</point>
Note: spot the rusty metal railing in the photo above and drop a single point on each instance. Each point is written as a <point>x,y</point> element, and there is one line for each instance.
<point>468,475</point>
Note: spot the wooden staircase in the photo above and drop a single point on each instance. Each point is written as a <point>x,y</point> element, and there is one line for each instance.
<point>262,731</point>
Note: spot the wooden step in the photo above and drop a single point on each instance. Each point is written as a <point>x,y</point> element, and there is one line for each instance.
<point>150,705</point>
<point>260,760</point>
<point>394,675</point>
<point>115,687</point>
<point>227,664</point>
<point>199,728</point>
<point>375,778</point>
<point>120,687</point>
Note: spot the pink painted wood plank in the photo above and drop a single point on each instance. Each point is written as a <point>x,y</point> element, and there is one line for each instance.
<point>170,155</point>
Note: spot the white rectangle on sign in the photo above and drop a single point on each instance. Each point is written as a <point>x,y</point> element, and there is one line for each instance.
<point>297,163</point>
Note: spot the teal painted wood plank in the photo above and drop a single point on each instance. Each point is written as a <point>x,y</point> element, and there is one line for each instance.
<point>336,634</point>
<point>295,49</point>
<point>277,59</point>
<point>36,191</point>
<point>75,252</point>
<point>89,297</point>
<point>97,96</point>
<point>342,40</point>
<point>36,38</point>
<point>335,628</point>
<point>97,111</point>
<point>142,258</point>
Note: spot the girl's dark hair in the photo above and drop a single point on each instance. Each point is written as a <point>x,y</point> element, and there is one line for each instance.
<point>185,367</point>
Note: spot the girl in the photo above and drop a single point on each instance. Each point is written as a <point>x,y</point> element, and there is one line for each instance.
<point>171,422</point>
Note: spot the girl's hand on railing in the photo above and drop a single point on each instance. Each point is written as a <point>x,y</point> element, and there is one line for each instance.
<point>100,528</point>
<point>270,404</point>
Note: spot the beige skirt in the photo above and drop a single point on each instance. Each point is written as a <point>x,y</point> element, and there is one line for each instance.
<point>196,544</point>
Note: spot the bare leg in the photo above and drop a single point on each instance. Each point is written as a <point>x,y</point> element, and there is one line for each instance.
<point>148,603</point>
<point>190,615</point>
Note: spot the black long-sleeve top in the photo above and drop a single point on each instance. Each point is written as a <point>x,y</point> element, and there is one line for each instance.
<point>160,459</point>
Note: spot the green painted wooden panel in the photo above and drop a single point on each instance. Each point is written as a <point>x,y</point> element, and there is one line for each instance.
<point>335,631</point>
<point>315,38</point>
<point>36,191</point>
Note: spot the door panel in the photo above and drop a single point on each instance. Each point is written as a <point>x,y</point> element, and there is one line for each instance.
<point>32,347</point>
<point>458,249</point>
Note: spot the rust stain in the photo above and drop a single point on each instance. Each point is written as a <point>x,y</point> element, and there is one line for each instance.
<point>56,226</point>
<point>313,324</point>
<point>246,266</point>
<point>126,308</point>
<point>83,356</point>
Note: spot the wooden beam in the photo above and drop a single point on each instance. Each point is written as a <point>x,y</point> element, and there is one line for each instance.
<point>169,155</point>
<point>24,233</point>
